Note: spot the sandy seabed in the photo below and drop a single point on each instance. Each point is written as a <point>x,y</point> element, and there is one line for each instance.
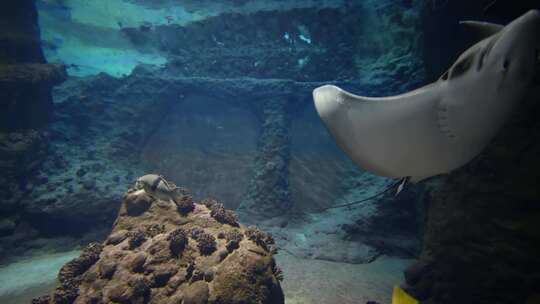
<point>306,281</point>
<point>322,282</point>
<point>31,276</point>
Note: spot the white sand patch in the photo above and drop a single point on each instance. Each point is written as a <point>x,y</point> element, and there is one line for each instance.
<point>314,281</point>
<point>31,277</point>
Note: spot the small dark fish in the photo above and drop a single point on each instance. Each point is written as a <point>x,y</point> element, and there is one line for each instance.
<point>145,28</point>
<point>169,19</point>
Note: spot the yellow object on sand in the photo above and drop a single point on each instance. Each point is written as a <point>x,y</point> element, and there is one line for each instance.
<point>399,296</point>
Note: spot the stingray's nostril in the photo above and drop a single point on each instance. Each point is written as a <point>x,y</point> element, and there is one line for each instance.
<point>506,64</point>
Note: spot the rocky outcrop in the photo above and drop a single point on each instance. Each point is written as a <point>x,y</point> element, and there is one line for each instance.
<point>161,254</point>
<point>26,82</point>
<point>19,38</point>
<point>304,44</point>
<point>290,44</point>
<point>271,180</point>
<point>78,184</point>
<point>481,237</point>
<point>26,94</point>
<point>25,79</point>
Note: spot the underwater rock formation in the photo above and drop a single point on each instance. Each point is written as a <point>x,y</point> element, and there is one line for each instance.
<point>20,37</point>
<point>164,256</point>
<point>26,81</point>
<point>105,131</point>
<point>78,184</point>
<point>25,78</point>
<point>271,181</point>
<point>482,231</point>
<point>289,44</point>
<point>294,44</point>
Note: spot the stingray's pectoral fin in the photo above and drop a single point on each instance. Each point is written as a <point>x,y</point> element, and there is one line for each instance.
<point>327,101</point>
<point>331,102</point>
<point>483,29</point>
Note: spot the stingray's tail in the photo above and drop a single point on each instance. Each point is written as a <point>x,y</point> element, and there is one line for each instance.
<point>398,185</point>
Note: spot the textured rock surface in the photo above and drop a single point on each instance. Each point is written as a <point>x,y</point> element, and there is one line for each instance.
<point>26,82</point>
<point>128,137</point>
<point>271,182</point>
<point>262,39</point>
<point>164,256</point>
<point>25,79</point>
<point>19,38</point>
<point>26,94</point>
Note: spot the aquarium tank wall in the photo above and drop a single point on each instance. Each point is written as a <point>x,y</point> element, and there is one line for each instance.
<point>174,151</point>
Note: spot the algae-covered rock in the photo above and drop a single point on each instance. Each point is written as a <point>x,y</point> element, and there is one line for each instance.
<point>161,255</point>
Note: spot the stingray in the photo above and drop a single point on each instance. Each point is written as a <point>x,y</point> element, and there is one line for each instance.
<point>442,126</point>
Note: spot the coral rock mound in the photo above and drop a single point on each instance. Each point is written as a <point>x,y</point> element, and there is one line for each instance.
<point>160,255</point>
